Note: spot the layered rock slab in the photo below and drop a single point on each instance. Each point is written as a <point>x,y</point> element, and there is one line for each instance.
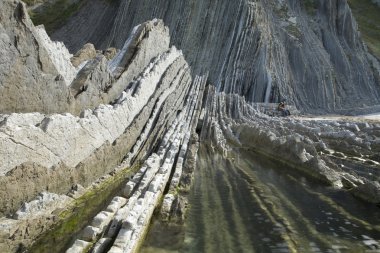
<point>124,225</point>
<point>37,74</point>
<point>29,80</point>
<point>337,153</point>
<point>309,53</point>
<point>40,151</point>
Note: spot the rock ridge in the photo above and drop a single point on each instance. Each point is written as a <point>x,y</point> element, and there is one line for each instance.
<point>311,54</point>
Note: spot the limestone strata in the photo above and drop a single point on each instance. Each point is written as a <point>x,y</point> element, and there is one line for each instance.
<point>142,87</point>
<point>86,53</point>
<point>68,139</point>
<point>336,152</point>
<point>29,80</point>
<point>48,82</point>
<point>101,81</point>
<point>174,204</point>
<point>308,52</point>
<point>126,104</point>
<point>129,220</point>
<point>59,56</point>
<point>139,103</point>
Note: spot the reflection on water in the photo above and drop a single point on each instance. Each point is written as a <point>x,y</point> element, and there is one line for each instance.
<point>249,204</point>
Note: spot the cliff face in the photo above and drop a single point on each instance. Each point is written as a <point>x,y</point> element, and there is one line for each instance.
<point>307,52</point>
<point>107,105</point>
<point>26,69</point>
<point>69,122</point>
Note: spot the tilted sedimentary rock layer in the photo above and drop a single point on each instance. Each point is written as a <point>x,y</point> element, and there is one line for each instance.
<point>29,79</point>
<point>53,152</point>
<point>338,153</point>
<point>116,110</point>
<point>50,140</point>
<point>36,74</point>
<point>64,141</point>
<point>127,217</point>
<point>308,52</point>
<point>139,103</point>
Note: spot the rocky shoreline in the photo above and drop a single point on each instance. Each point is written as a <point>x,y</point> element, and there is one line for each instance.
<point>337,153</point>
<point>127,123</point>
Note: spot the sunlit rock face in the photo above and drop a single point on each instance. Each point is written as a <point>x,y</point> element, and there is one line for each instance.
<point>26,70</point>
<point>336,153</point>
<point>105,106</point>
<point>307,52</point>
<point>131,100</point>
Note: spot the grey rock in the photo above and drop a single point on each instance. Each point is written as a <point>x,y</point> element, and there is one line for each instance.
<point>89,233</point>
<point>87,52</point>
<point>369,191</point>
<point>248,51</point>
<point>102,245</point>
<point>141,103</point>
<point>232,121</point>
<point>79,246</point>
<point>76,191</point>
<point>166,207</point>
<point>27,74</point>
<point>42,206</point>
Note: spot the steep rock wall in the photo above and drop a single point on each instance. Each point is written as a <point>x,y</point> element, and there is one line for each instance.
<point>36,74</point>
<point>110,108</point>
<point>309,52</point>
<point>29,80</point>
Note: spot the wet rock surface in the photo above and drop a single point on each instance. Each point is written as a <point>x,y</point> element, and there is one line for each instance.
<point>135,118</point>
<point>335,152</point>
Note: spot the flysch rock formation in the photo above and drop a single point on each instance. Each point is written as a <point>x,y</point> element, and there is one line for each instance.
<point>111,110</point>
<point>46,79</point>
<point>73,120</point>
<point>26,67</point>
<point>128,219</point>
<point>307,52</point>
<point>338,153</point>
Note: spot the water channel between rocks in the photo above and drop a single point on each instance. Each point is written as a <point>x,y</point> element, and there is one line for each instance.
<point>247,203</point>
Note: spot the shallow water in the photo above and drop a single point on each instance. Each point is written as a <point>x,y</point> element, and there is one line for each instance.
<point>249,204</point>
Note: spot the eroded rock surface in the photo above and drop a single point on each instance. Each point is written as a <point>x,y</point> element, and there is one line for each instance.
<point>338,153</point>
<point>70,122</point>
<point>308,52</point>
<point>114,104</point>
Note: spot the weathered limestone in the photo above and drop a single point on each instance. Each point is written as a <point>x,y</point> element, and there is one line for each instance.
<point>59,55</point>
<point>69,139</point>
<point>130,218</point>
<point>55,152</point>
<point>173,206</point>
<point>336,152</point>
<point>140,104</point>
<point>126,104</point>
<point>48,82</point>
<point>101,81</point>
<point>45,203</point>
<point>79,246</point>
<point>29,78</point>
<point>309,53</point>
<point>86,53</point>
